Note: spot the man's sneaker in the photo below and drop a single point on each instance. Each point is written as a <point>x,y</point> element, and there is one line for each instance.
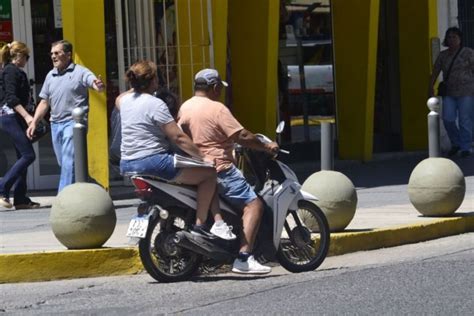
<point>200,231</point>
<point>251,266</point>
<point>5,202</point>
<point>223,231</point>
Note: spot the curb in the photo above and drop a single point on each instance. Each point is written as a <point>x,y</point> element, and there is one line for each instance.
<point>342,243</point>
<point>47,266</point>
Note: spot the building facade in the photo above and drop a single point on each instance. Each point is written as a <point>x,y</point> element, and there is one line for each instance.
<point>364,64</point>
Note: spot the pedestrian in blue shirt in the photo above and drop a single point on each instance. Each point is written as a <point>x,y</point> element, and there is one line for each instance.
<point>66,87</point>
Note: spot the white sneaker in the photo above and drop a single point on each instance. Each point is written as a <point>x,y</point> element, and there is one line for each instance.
<point>5,202</point>
<point>251,266</point>
<point>223,231</point>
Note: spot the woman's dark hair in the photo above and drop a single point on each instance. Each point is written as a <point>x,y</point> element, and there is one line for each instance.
<point>170,99</point>
<point>140,75</point>
<point>454,30</point>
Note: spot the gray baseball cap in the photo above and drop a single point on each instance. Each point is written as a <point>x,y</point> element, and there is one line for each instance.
<point>211,76</point>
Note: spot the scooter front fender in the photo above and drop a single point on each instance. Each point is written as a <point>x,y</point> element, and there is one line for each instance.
<point>302,195</point>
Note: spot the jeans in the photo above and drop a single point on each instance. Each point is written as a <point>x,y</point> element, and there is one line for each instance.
<point>16,176</point>
<point>232,187</point>
<point>160,165</point>
<point>63,146</point>
<point>460,108</point>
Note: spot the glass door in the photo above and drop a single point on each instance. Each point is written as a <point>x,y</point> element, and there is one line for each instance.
<point>38,24</point>
<point>305,69</point>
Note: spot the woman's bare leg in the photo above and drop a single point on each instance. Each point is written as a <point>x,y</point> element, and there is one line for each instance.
<point>215,207</point>
<point>205,179</point>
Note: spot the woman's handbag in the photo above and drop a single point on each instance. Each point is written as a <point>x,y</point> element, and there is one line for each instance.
<point>42,129</point>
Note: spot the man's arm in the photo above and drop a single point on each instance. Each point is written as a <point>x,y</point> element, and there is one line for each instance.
<point>40,112</point>
<point>249,140</point>
<point>98,84</point>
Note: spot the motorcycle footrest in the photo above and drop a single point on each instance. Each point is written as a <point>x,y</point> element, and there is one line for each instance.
<point>202,246</point>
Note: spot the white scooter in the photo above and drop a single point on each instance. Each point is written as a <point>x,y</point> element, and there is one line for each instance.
<point>293,230</point>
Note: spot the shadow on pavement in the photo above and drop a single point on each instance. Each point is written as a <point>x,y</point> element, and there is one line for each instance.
<point>390,170</point>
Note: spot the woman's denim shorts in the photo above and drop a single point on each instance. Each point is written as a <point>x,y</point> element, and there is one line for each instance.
<point>160,165</point>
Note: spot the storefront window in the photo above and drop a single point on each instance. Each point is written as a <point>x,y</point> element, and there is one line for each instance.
<point>306,84</point>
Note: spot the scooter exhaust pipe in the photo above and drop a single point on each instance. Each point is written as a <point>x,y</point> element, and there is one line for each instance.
<point>201,246</point>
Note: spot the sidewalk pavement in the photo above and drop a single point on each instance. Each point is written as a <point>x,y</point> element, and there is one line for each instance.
<point>384,217</point>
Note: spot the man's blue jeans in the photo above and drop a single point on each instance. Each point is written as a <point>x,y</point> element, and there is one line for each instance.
<point>460,108</point>
<point>63,145</point>
<point>16,176</point>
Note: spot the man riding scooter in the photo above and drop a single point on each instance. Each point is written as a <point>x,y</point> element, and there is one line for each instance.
<point>215,130</point>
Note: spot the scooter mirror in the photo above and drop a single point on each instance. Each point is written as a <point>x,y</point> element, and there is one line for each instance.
<point>280,127</point>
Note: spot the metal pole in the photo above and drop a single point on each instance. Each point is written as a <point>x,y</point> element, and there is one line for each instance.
<point>327,151</point>
<point>434,146</point>
<point>80,144</point>
<point>304,94</point>
<point>433,134</point>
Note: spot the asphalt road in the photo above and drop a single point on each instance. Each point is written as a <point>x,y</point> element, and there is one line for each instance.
<point>434,277</point>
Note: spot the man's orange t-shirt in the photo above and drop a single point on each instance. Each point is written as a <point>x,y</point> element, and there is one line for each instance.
<point>211,126</point>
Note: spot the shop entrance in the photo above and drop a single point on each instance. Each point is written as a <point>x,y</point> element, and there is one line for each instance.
<point>387,112</point>
<point>305,69</point>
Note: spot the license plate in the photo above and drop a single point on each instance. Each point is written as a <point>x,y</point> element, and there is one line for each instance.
<point>138,226</point>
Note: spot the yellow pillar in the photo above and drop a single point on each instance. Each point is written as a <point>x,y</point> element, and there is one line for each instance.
<point>83,26</point>
<point>253,31</point>
<point>417,24</point>
<point>355,49</point>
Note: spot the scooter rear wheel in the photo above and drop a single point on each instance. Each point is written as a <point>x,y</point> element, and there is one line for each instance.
<point>161,257</point>
<point>304,242</point>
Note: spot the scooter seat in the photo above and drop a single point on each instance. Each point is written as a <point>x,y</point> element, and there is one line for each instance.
<point>156,178</point>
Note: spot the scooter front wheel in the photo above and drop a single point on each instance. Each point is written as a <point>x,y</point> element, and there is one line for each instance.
<point>304,242</point>
<point>161,257</point>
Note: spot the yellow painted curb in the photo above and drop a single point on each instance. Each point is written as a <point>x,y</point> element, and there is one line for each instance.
<point>45,266</point>
<point>342,243</point>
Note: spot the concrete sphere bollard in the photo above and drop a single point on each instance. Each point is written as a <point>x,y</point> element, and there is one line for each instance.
<point>436,187</point>
<point>337,197</point>
<point>83,216</point>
